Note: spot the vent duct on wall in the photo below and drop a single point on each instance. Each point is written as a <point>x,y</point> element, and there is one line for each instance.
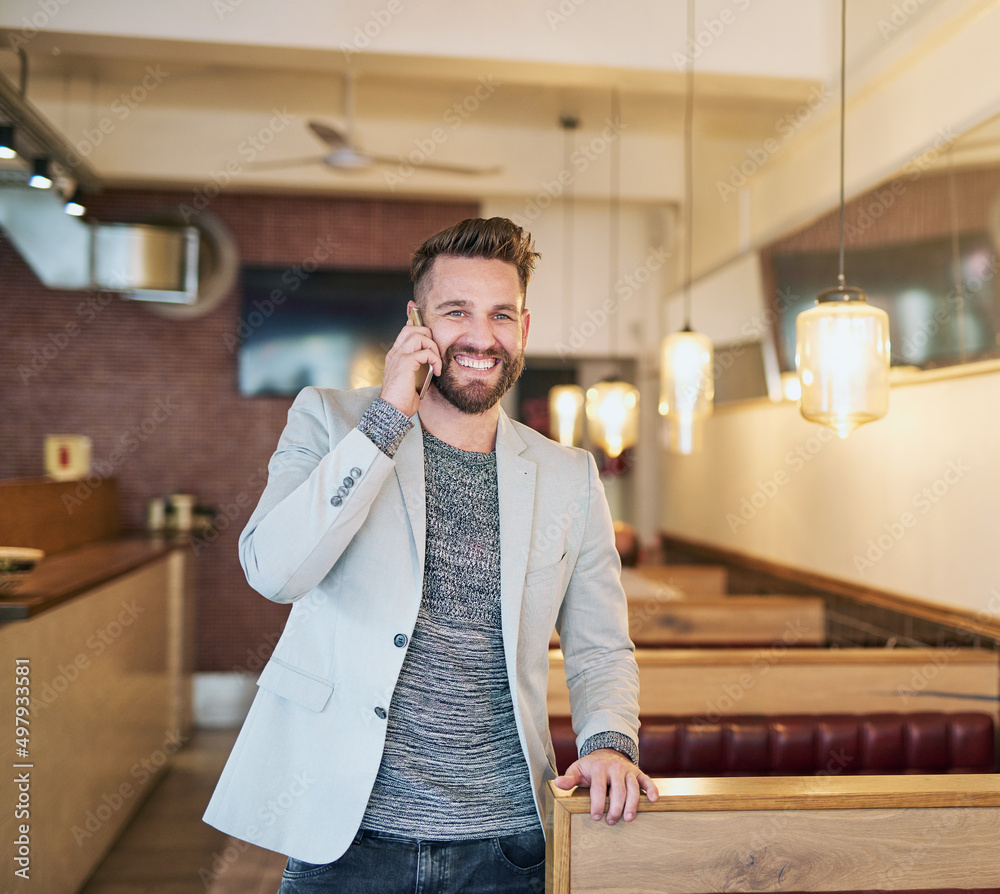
<point>144,262</point>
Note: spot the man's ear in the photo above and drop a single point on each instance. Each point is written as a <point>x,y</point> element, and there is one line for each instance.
<point>525,325</point>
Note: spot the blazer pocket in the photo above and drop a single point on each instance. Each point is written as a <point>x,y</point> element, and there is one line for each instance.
<point>295,685</point>
<point>547,574</point>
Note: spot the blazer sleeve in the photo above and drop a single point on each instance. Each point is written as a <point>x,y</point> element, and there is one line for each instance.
<point>601,671</point>
<point>322,480</point>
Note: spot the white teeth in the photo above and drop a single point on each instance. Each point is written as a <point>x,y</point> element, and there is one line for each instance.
<point>486,363</point>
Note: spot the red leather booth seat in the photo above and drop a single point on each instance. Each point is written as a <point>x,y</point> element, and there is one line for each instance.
<point>806,744</point>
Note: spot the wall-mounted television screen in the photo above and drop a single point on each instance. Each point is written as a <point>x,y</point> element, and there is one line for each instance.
<point>914,283</point>
<point>329,327</point>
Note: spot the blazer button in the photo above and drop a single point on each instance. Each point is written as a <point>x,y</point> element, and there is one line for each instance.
<point>355,473</point>
<point>400,639</point>
<point>336,501</point>
<point>380,713</point>
<point>342,491</point>
<point>348,481</point>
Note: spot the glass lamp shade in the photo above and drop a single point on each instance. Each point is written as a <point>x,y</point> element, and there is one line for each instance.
<point>842,357</point>
<point>613,416</point>
<point>566,414</point>
<point>687,387</point>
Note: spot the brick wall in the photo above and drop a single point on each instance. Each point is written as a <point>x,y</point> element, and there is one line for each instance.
<point>159,396</point>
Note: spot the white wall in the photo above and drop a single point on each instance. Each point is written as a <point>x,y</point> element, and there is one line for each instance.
<point>908,504</point>
<point>593,318</point>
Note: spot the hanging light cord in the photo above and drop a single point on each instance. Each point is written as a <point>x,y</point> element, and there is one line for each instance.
<point>688,168</point>
<point>841,281</point>
<point>568,124</point>
<point>615,235</point>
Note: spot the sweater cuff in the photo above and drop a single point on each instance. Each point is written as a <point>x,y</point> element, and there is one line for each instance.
<point>616,741</point>
<point>384,426</point>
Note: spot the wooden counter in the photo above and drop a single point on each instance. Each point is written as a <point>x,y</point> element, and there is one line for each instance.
<point>812,833</point>
<point>62,576</point>
<point>98,643</point>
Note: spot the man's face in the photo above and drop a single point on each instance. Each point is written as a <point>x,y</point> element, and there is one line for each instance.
<point>474,308</point>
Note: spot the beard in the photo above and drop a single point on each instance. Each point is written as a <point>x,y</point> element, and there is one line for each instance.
<point>477,397</point>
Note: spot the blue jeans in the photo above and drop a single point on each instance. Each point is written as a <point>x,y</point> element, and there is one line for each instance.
<point>378,863</point>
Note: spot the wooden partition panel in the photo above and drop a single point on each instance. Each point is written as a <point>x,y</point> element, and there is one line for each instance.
<point>691,580</point>
<point>740,621</point>
<point>751,834</point>
<point>712,683</point>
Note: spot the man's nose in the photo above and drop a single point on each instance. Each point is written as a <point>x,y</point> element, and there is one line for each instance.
<point>479,333</point>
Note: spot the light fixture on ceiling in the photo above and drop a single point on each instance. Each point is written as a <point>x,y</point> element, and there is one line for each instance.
<point>74,204</point>
<point>566,401</point>
<point>687,380</point>
<point>38,139</point>
<point>7,148</point>
<point>612,406</point>
<point>41,177</point>
<point>842,344</point>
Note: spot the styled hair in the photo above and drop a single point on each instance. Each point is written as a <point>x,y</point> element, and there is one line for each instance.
<point>494,239</point>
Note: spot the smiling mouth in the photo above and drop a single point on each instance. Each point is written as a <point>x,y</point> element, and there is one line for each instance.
<point>481,363</point>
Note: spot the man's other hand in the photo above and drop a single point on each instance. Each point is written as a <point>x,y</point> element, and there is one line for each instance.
<point>609,774</point>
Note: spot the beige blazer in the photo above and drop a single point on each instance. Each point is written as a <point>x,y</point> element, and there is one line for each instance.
<point>300,774</point>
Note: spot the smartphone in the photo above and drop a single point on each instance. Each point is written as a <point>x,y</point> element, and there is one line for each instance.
<point>423,380</point>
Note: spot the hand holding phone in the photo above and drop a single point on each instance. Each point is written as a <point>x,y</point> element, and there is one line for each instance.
<point>424,371</point>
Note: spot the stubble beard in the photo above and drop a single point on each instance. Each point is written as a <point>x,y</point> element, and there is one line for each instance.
<point>477,397</point>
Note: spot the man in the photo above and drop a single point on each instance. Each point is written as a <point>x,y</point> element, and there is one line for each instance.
<point>399,738</point>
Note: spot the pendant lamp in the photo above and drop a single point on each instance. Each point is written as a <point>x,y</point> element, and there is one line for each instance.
<point>687,380</point>
<point>566,401</point>
<point>566,414</point>
<point>613,416</point>
<point>613,405</point>
<point>842,344</point>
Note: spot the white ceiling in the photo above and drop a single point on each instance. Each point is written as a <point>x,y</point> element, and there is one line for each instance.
<point>199,90</point>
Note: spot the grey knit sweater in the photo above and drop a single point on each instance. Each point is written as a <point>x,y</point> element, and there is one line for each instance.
<point>453,767</point>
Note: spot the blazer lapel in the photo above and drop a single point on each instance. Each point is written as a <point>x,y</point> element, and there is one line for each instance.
<point>410,474</point>
<point>516,486</point>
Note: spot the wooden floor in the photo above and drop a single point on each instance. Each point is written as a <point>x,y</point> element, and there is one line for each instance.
<point>167,849</point>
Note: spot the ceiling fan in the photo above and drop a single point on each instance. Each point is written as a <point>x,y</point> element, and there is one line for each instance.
<point>345,154</point>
